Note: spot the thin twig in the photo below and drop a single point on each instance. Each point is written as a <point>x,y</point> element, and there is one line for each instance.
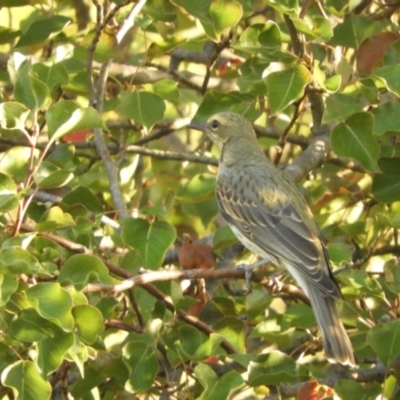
<point>284,135</point>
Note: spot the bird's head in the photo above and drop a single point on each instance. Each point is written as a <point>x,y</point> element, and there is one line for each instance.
<point>226,127</point>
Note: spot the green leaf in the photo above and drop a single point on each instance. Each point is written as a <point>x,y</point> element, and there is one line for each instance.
<point>15,260</point>
<point>354,30</point>
<point>52,75</point>
<point>215,387</point>
<point>233,330</point>
<point>290,7</point>
<point>142,364</point>
<point>270,330</point>
<point>386,185</point>
<point>83,196</point>
<point>29,326</point>
<point>8,193</point>
<point>52,350</point>
<point>225,14</point>
<point>321,27</point>
<point>106,46</point>
<point>260,38</point>
<point>199,9</point>
<point>42,30</point>
<point>215,101</point>
<point>8,285</point>
<point>251,76</point>
<point>340,106</point>
<point>285,87</point>
<point>340,251</point>
<point>167,89</point>
<point>143,107</point>
<point>49,176</point>
<point>52,302</point>
<point>200,188</point>
<point>161,47</point>
<point>54,218</point>
<point>386,118</point>
<point>80,269</point>
<point>13,115</point>
<point>223,238</point>
<point>26,382</point>
<point>390,76</point>
<point>349,389</point>
<point>88,321</point>
<point>385,341</point>
<point>298,315</point>
<point>7,35</point>
<point>392,274</point>
<point>354,139</point>
<point>272,369</point>
<point>160,10</point>
<point>151,239</point>
<point>66,116</point>
<point>29,90</point>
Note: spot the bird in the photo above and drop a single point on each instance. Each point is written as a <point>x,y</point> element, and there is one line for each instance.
<point>269,216</point>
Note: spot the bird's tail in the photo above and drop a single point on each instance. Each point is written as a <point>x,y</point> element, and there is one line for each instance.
<point>337,345</point>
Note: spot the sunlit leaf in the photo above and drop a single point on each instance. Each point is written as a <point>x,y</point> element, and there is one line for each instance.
<point>31,387</point>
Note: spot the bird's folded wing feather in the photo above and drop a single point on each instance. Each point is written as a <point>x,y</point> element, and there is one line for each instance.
<point>279,231</point>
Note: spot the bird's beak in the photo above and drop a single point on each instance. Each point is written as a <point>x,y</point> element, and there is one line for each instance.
<point>198,126</point>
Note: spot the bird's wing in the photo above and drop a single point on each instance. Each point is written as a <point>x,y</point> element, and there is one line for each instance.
<point>279,231</point>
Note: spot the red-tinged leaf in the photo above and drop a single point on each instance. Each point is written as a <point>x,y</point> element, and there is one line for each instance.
<point>78,136</point>
<point>196,255</point>
<point>196,309</point>
<point>371,52</point>
<point>223,67</point>
<point>312,390</point>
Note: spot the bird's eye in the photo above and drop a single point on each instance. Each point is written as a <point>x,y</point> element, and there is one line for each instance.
<point>214,124</point>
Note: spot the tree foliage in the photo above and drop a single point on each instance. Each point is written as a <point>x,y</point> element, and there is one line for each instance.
<point>103,190</point>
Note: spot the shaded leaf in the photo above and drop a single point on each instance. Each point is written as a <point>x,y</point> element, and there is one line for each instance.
<point>272,368</point>
<point>354,30</point>
<point>40,31</point>
<point>386,185</point>
<point>143,107</point>
<point>386,118</point>
<point>349,389</point>
<point>340,106</point>
<point>215,387</point>
<point>354,139</point>
<point>52,350</point>
<point>142,364</point>
<point>285,87</point>
<point>385,341</point>
<point>389,75</point>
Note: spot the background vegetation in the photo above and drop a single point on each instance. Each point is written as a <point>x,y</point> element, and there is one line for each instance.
<point>100,180</point>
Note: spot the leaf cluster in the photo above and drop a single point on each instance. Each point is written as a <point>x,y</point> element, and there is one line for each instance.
<point>103,190</point>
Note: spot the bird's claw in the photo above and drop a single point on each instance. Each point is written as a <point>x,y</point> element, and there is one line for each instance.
<point>275,285</point>
<point>248,272</point>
